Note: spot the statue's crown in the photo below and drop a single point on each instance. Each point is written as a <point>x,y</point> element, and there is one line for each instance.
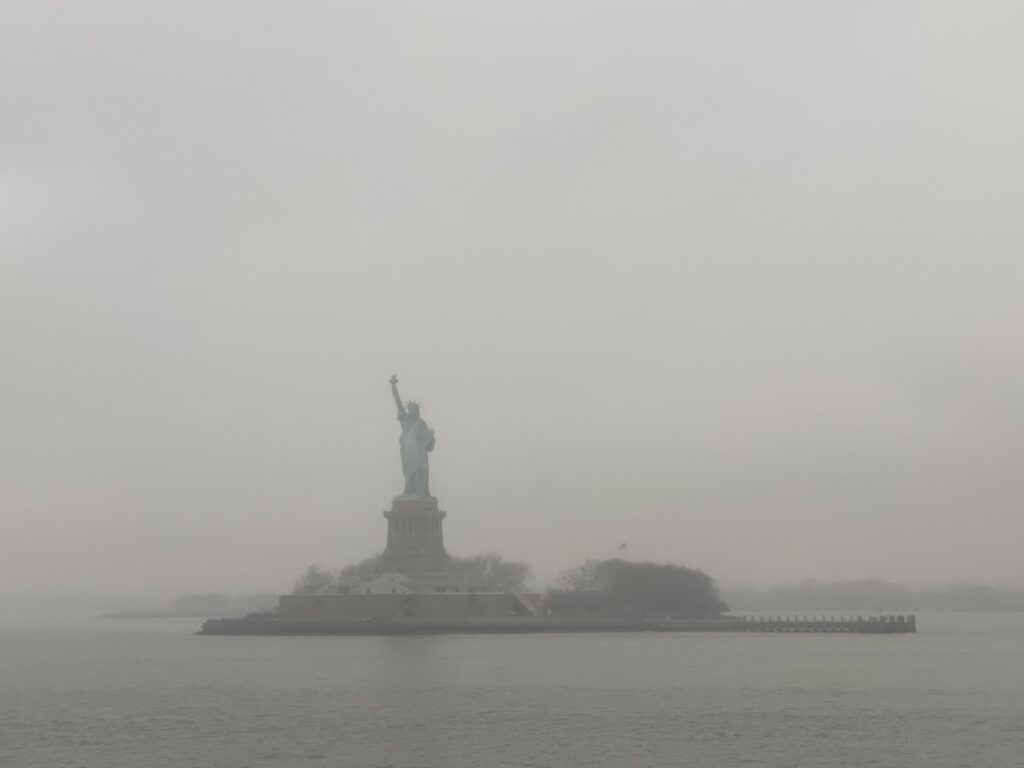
<point>411,403</point>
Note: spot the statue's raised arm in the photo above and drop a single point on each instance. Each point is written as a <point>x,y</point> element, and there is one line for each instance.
<point>398,400</point>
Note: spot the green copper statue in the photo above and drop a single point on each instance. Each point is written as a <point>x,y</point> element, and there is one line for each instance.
<point>416,442</point>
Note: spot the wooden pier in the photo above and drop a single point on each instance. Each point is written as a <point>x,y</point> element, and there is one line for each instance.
<point>875,625</point>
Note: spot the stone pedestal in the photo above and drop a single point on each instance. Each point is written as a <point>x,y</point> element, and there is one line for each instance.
<point>415,538</point>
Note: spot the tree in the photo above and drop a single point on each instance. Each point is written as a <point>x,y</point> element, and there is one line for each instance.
<point>587,576</point>
<point>643,590</point>
<point>493,571</point>
<point>488,570</point>
<point>661,589</point>
<point>355,574</point>
<point>315,581</point>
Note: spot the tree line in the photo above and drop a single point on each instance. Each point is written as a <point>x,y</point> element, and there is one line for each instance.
<point>488,568</point>
<point>596,587</point>
<point>635,589</point>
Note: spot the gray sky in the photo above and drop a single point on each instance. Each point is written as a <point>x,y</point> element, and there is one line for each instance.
<point>738,283</point>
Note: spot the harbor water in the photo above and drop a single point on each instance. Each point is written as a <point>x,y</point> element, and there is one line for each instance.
<point>129,693</point>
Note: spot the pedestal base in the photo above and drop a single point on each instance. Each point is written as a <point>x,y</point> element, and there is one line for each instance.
<point>415,538</point>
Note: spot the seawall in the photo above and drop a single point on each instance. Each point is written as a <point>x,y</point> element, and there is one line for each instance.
<point>271,624</point>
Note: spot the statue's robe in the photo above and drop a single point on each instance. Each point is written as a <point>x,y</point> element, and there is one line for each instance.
<point>416,442</point>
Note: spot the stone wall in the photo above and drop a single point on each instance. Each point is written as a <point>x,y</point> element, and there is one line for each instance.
<point>421,606</point>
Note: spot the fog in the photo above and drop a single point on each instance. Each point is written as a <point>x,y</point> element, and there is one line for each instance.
<point>735,283</point>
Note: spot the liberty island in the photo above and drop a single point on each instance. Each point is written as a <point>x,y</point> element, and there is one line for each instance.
<point>415,589</point>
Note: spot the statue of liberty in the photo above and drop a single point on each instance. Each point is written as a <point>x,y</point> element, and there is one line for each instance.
<point>416,442</point>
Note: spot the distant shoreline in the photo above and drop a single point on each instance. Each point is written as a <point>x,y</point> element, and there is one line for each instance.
<point>170,615</point>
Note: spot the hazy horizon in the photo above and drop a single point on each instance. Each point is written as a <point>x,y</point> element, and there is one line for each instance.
<point>737,284</point>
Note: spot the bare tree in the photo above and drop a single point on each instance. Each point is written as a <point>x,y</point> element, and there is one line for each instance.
<point>315,581</point>
<point>494,571</point>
